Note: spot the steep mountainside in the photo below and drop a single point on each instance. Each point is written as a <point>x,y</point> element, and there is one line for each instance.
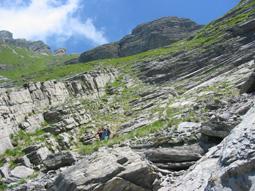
<point>145,37</point>
<point>181,118</point>
<point>6,37</point>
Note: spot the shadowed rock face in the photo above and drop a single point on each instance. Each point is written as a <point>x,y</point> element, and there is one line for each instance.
<point>156,34</point>
<point>145,37</point>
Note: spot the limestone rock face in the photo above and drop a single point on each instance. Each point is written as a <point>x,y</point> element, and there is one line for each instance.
<point>228,166</point>
<point>35,46</point>
<point>23,108</point>
<point>120,169</point>
<point>36,154</point>
<point>6,35</point>
<point>56,161</point>
<point>156,34</point>
<point>21,172</point>
<point>145,37</point>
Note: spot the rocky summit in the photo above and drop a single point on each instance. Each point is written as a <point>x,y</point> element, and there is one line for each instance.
<point>6,37</point>
<point>181,117</point>
<point>155,34</point>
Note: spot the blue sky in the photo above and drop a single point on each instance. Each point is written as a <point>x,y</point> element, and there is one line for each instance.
<point>79,25</point>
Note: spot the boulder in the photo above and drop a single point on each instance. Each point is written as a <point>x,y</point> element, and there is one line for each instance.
<point>56,161</point>
<point>37,153</point>
<point>21,172</point>
<point>106,169</point>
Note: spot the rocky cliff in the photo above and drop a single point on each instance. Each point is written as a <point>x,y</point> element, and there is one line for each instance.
<point>182,118</point>
<point>6,37</point>
<point>145,37</point>
<point>24,108</point>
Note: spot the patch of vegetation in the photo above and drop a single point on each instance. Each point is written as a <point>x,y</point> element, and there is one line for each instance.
<point>23,65</point>
<point>141,132</point>
<point>21,140</point>
<point>14,153</point>
<point>24,139</point>
<point>3,186</point>
<point>20,64</point>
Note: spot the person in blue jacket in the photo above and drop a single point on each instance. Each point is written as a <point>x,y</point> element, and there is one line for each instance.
<point>104,134</point>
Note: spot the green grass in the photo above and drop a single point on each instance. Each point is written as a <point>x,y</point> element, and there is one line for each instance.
<point>22,64</point>
<point>14,153</point>
<point>141,132</point>
<point>3,186</point>
<point>172,118</point>
<point>23,138</point>
<point>26,66</point>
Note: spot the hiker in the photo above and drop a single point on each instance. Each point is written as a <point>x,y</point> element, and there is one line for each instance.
<point>100,134</point>
<point>106,134</point>
<point>103,134</point>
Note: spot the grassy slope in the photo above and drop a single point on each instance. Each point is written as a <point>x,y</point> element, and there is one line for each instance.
<point>24,65</point>
<point>28,66</point>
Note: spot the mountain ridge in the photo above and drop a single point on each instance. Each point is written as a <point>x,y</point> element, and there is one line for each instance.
<point>181,118</point>
<point>6,37</point>
<point>146,36</point>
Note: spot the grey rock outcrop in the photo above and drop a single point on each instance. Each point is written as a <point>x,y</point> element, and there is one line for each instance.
<point>60,52</point>
<point>156,34</point>
<point>63,119</point>
<point>222,120</point>
<point>56,161</point>
<point>145,37</point>
<point>229,57</point>
<point>119,168</point>
<point>101,52</point>
<point>36,154</point>
<point>228,166</point>
<point>23,108</point>
<point>6,37</point>
<point>175,154</point>
<point>21,172</point>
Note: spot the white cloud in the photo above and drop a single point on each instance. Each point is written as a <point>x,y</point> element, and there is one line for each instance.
<point>41,19</point>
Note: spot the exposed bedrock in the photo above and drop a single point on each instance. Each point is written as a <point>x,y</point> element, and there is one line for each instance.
<point>23,108</point>
<point>109,169</point>
<point>228,166</point>
<point>155,34</point>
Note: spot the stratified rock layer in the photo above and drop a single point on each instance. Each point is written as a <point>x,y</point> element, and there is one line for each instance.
<point>23,108</point>
<point>109,169</point>
<point>228,166</point>
<point>6,37</point>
